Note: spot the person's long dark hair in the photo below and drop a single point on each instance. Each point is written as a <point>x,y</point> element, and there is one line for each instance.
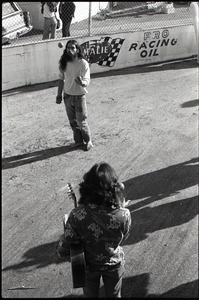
<point>100,186</point>
<point>64,59</point>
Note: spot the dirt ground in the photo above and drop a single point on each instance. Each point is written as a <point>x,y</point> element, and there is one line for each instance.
<point>144,122</point>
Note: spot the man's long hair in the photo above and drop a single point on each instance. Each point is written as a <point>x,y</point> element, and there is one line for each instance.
<point>64,58</point>
<point>100,186</point>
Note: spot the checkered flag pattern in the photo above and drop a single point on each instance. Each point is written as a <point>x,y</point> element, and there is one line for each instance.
<point>116,44</point>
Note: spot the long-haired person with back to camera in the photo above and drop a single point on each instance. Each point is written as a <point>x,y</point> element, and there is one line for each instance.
<point>101,221</point>
<point>74,78</point>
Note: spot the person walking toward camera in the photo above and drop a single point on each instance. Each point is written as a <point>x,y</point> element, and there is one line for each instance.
<point>50,22</point>
<point>74,78</point>
<point>102,222</point>
<point>66,13</point>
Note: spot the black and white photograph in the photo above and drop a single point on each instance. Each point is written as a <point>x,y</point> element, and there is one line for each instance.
<point>100,150</point>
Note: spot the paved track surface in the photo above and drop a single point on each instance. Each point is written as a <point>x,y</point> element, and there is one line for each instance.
<point>144,122</point>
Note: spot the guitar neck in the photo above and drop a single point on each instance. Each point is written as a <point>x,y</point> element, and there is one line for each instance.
<point>75,200</point>
<point>71,194</point>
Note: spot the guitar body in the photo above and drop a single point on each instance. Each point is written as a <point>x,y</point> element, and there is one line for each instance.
<point>78,264</point>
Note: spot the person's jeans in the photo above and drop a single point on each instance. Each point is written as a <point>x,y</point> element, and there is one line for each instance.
<point>76,110</point>
<point>112,283</point>
<point>50,25</point>
<point>66,27</point>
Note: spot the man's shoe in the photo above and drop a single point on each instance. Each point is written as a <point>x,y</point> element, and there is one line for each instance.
<point>89,145</point>
<point>77,145</point>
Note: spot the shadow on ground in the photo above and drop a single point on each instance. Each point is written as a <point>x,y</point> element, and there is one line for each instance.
<point>162,183</point>
<point>154,186</point>
<point>37,257</point>
<point>136,287</point>
<point>148,220</point>
<point>192,103</point>
<point>27,158</point>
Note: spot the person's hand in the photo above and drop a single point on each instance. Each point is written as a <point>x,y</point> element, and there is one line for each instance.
<point>59,99</point>
<point>126,203</point>
<point>79,80</point>
<point>68,259</point>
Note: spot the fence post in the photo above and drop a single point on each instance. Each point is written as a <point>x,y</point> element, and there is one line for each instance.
<point>90,19</point>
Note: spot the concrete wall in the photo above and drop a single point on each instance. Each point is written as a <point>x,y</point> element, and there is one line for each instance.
<point>37,63</point>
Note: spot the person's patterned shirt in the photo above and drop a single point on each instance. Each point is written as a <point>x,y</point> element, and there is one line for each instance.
<point>101,230</point>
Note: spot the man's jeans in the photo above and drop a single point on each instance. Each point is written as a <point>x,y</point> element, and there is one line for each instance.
<point>112,283</point>
<point>76,110</point>
<point>50,25</point>
<point>66,26</point>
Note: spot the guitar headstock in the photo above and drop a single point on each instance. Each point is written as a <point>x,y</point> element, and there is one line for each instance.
<point>71,194</point>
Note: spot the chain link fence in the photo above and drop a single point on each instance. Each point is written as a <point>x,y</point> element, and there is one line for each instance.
<point>92,18</point>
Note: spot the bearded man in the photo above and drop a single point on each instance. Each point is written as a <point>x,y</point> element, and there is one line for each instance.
<point>74,77</point>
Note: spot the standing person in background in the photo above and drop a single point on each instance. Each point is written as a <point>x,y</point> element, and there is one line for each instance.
<point>194,8</point>
<point>102,222</point>
<point>66,13</point>
<point>74,77</point>
<point>50,22</point>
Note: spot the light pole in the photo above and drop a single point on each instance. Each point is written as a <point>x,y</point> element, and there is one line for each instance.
<point>90,19</point>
